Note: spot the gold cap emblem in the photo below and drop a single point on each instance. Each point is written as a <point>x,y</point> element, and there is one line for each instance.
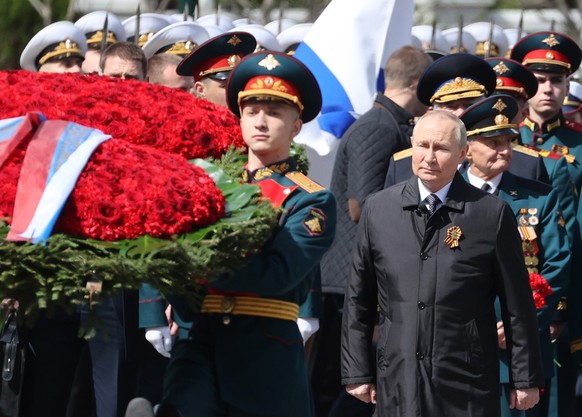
<point>499,105</point>
<point>234,41</point>
<point>551,41</point>
<point>269,62</point>
<point>500,68</point>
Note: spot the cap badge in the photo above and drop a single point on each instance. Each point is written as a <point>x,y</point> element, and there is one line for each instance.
<point>454,234</point>
<point>501,119</point>
<point>233,60</point>
<point>499,106</point>
<point>500,68</point>
<point>269,62</point>
<point>551,41</point>
<point>234,41</point>
<point>459,81</point>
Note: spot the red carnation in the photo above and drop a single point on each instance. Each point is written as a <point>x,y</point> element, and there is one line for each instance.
<point>540,288</point>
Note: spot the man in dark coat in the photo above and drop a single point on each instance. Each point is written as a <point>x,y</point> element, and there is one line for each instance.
<point>432,254</point>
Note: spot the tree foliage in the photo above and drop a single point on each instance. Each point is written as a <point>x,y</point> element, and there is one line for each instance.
<point>20,21</point>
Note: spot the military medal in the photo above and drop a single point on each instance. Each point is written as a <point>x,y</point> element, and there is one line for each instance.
<point>454,233</point>
<point>533,220</point>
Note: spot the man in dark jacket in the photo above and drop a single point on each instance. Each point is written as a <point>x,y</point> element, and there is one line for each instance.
<point>432,254</point>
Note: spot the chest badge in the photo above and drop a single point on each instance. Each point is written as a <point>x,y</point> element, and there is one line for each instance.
<point>454,234</point>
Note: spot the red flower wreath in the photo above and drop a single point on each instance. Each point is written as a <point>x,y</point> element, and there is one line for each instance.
<point>540,288</point>
<point>138,112</point>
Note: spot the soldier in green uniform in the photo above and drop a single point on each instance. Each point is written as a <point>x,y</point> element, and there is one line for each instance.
<point>537,212</point>
<point>553,57</point>
<point>244,355</point>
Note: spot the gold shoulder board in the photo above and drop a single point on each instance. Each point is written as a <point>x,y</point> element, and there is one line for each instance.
<point>523,149</point>
<point>304,182</point>
<point>402,154</point>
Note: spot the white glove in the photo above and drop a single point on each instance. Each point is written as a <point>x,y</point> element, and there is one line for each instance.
<point>307,327</point>
<point>160,339</point>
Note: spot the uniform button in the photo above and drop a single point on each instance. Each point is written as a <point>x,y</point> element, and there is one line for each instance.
<point>423,256</point>
<point>421,305</point>
<point>226,320</point>
<point>540,140</point>
<point>419,356</point>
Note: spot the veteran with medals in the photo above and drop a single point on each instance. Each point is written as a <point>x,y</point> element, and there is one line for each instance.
<point>431,256</point>
<point>535,205</point>
<point>244,355</point>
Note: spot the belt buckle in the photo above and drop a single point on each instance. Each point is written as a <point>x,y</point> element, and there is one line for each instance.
<point>227,304</point>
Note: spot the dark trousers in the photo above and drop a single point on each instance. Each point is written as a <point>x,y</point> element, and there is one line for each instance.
<point>331,398</point>
<point>52,359</point>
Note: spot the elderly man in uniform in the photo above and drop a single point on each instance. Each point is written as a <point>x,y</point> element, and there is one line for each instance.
<point>242,361</point>
<point>59,47</point>
<point>536,208</point>
<point>432,254</point>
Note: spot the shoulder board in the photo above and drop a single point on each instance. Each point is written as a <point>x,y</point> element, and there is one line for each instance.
<point>548,154</point>
<point>402,154</point>
<point>522,149</point>
<point>304,182</point>
<point>574,126</point>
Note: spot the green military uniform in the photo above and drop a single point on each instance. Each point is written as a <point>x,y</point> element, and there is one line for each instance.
<point>537,210</point>
<point>257,364</point>
<point>244,355</point>
<point>556,135</point>
<point>552,257</point>
<point>557,55</point>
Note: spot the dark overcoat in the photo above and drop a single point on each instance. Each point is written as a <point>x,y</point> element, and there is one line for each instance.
<point>437,350</point>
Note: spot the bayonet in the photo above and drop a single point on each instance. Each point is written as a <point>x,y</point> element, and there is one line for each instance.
<point>137,18</point>
<point>433,35</point>
<point>460,35</point>
<point>104,35</point>
<point>489,40</point>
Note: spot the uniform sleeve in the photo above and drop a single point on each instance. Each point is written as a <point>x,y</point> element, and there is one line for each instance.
<point>313,305</point>
<point>359,312</point>
<point>369,149</point>
<point>574,311</point>
<point>517,306</point>
<point>556,261</point>
<point>151,307</point>
<point>306,231</point>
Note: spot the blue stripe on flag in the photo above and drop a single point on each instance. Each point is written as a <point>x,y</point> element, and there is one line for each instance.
<point>9,127</point>
<point>336,111</point>
<point>73,136</point>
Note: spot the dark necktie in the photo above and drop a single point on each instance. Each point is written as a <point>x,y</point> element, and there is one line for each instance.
<point>431,201</point>
<point>486,187</point>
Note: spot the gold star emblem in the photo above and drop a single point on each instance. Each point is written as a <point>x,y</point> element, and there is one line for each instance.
<point>500,68</point>
<point>551,41</point>
<point>500,105</point>
<point>269,62</point>
<point>234,41</point>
